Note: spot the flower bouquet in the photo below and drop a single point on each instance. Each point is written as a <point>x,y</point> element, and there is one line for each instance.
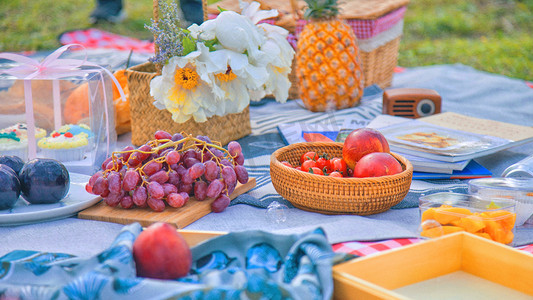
<point>209,73</point>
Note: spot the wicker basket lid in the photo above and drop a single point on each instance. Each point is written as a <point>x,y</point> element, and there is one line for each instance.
<point>350,9</point>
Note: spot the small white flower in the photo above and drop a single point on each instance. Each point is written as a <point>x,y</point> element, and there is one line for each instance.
<point>181,90</point>
<point>252,12</point>
<point>247,62</point>
<point>280,65</point>
<point>204,31</point>
<point>241,66</point>
<point>233,92</point>
<point>238,33</point>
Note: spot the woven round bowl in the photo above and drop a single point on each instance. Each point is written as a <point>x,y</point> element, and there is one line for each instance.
<point>333,195</point>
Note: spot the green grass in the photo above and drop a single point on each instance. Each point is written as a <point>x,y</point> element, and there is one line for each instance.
<point>490,35</point>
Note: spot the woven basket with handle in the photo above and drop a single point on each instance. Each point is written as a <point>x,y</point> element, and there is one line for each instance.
<point>378,64</point>
<point>146,119</point>
<point>334,195</point>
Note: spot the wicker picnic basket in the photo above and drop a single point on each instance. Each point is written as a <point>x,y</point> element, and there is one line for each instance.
<point>378,62</point>
<point>146,119</point>
<point>332,195</point>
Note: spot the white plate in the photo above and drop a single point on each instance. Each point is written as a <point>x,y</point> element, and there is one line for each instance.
<point>76,200</point>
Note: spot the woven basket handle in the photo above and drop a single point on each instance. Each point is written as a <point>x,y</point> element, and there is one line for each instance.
<point>155,13</point>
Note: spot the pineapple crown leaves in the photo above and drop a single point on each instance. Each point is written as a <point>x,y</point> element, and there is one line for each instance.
<point>321,9</point>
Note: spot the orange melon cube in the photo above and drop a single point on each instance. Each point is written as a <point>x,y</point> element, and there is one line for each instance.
<point>497,232</point>
<point>428,214</point>
<point>508,237</point>
<point>472,223</point>
<point>483,235</point>
<point>505,218</point>
<point>439,231</point>
<point>446,215</point>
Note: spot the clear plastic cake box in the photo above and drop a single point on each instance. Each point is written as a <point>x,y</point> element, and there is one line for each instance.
<point>73,97</point>
<point>446,212</point>
<point>519,190</point>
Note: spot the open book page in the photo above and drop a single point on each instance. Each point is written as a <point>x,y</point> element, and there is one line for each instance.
<point>420,164</point>
<point>421,136</point>
<point>460,122</point>
<point>453,137</point>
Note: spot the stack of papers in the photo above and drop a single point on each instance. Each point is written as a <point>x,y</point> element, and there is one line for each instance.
<point>439,146</point>
<point>447,143</point>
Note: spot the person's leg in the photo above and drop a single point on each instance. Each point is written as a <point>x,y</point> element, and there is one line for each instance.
<point>108,10</point>
<point>192,11</point>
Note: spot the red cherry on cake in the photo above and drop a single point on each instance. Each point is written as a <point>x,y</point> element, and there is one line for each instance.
<point>56,134</point>
<point>68,134</point>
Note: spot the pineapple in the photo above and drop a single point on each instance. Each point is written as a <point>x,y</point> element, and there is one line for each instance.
<point>328,64</point>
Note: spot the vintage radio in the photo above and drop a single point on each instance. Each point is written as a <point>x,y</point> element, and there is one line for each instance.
<point>411,102</point>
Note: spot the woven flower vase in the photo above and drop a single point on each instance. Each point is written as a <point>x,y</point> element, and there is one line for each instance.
<point>146,119</point>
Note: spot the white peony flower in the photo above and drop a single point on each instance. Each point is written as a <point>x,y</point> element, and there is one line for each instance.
<point>233,78</point>
<point>233,92</point>
<point>280,54</point>
<point>236,32</point>
<point>248,61</point>
<point>204,31</point>
<point>252,12</point>
<point>182,90</point>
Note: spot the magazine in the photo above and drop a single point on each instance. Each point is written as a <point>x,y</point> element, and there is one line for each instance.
<point>420,158</point>
<point>452,137</point>
<point>316,132</point>
<point>422,164</point>
<point>472,170</point>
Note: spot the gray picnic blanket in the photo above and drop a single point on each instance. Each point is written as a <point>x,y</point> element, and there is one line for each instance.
<point>463,89</point>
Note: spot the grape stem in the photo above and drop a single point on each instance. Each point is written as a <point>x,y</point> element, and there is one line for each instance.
<point>158,145</point>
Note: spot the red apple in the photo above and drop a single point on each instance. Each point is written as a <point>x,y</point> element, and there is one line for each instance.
<point>161,252</point>
<point>361,142</point>
<point>377,164</point>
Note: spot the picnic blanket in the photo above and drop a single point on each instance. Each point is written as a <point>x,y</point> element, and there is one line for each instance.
<point>251,265</point>
<point>463,89</point>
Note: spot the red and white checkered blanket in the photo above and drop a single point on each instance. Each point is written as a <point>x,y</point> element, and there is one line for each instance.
<point>366,29</point>
<point>369,248</point>
<point>95,38</point>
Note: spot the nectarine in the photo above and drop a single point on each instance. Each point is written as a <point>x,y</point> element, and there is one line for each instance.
<point>361,142</point>
<point>377,164</point>
<point>161,252</point>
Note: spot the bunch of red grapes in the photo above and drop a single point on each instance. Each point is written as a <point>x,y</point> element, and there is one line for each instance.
<point>170,169</point>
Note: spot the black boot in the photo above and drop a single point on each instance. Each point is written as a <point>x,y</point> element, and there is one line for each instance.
<point>109,11</point>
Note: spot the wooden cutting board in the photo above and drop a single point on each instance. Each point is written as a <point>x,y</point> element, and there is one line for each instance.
<point>179,217</point>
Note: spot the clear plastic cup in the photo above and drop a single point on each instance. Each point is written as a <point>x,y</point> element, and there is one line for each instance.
<point>523,168</point>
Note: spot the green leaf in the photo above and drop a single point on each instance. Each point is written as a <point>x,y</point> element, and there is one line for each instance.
<point>220,9</point>
<point>211,44</point>
<point>188,45</point>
